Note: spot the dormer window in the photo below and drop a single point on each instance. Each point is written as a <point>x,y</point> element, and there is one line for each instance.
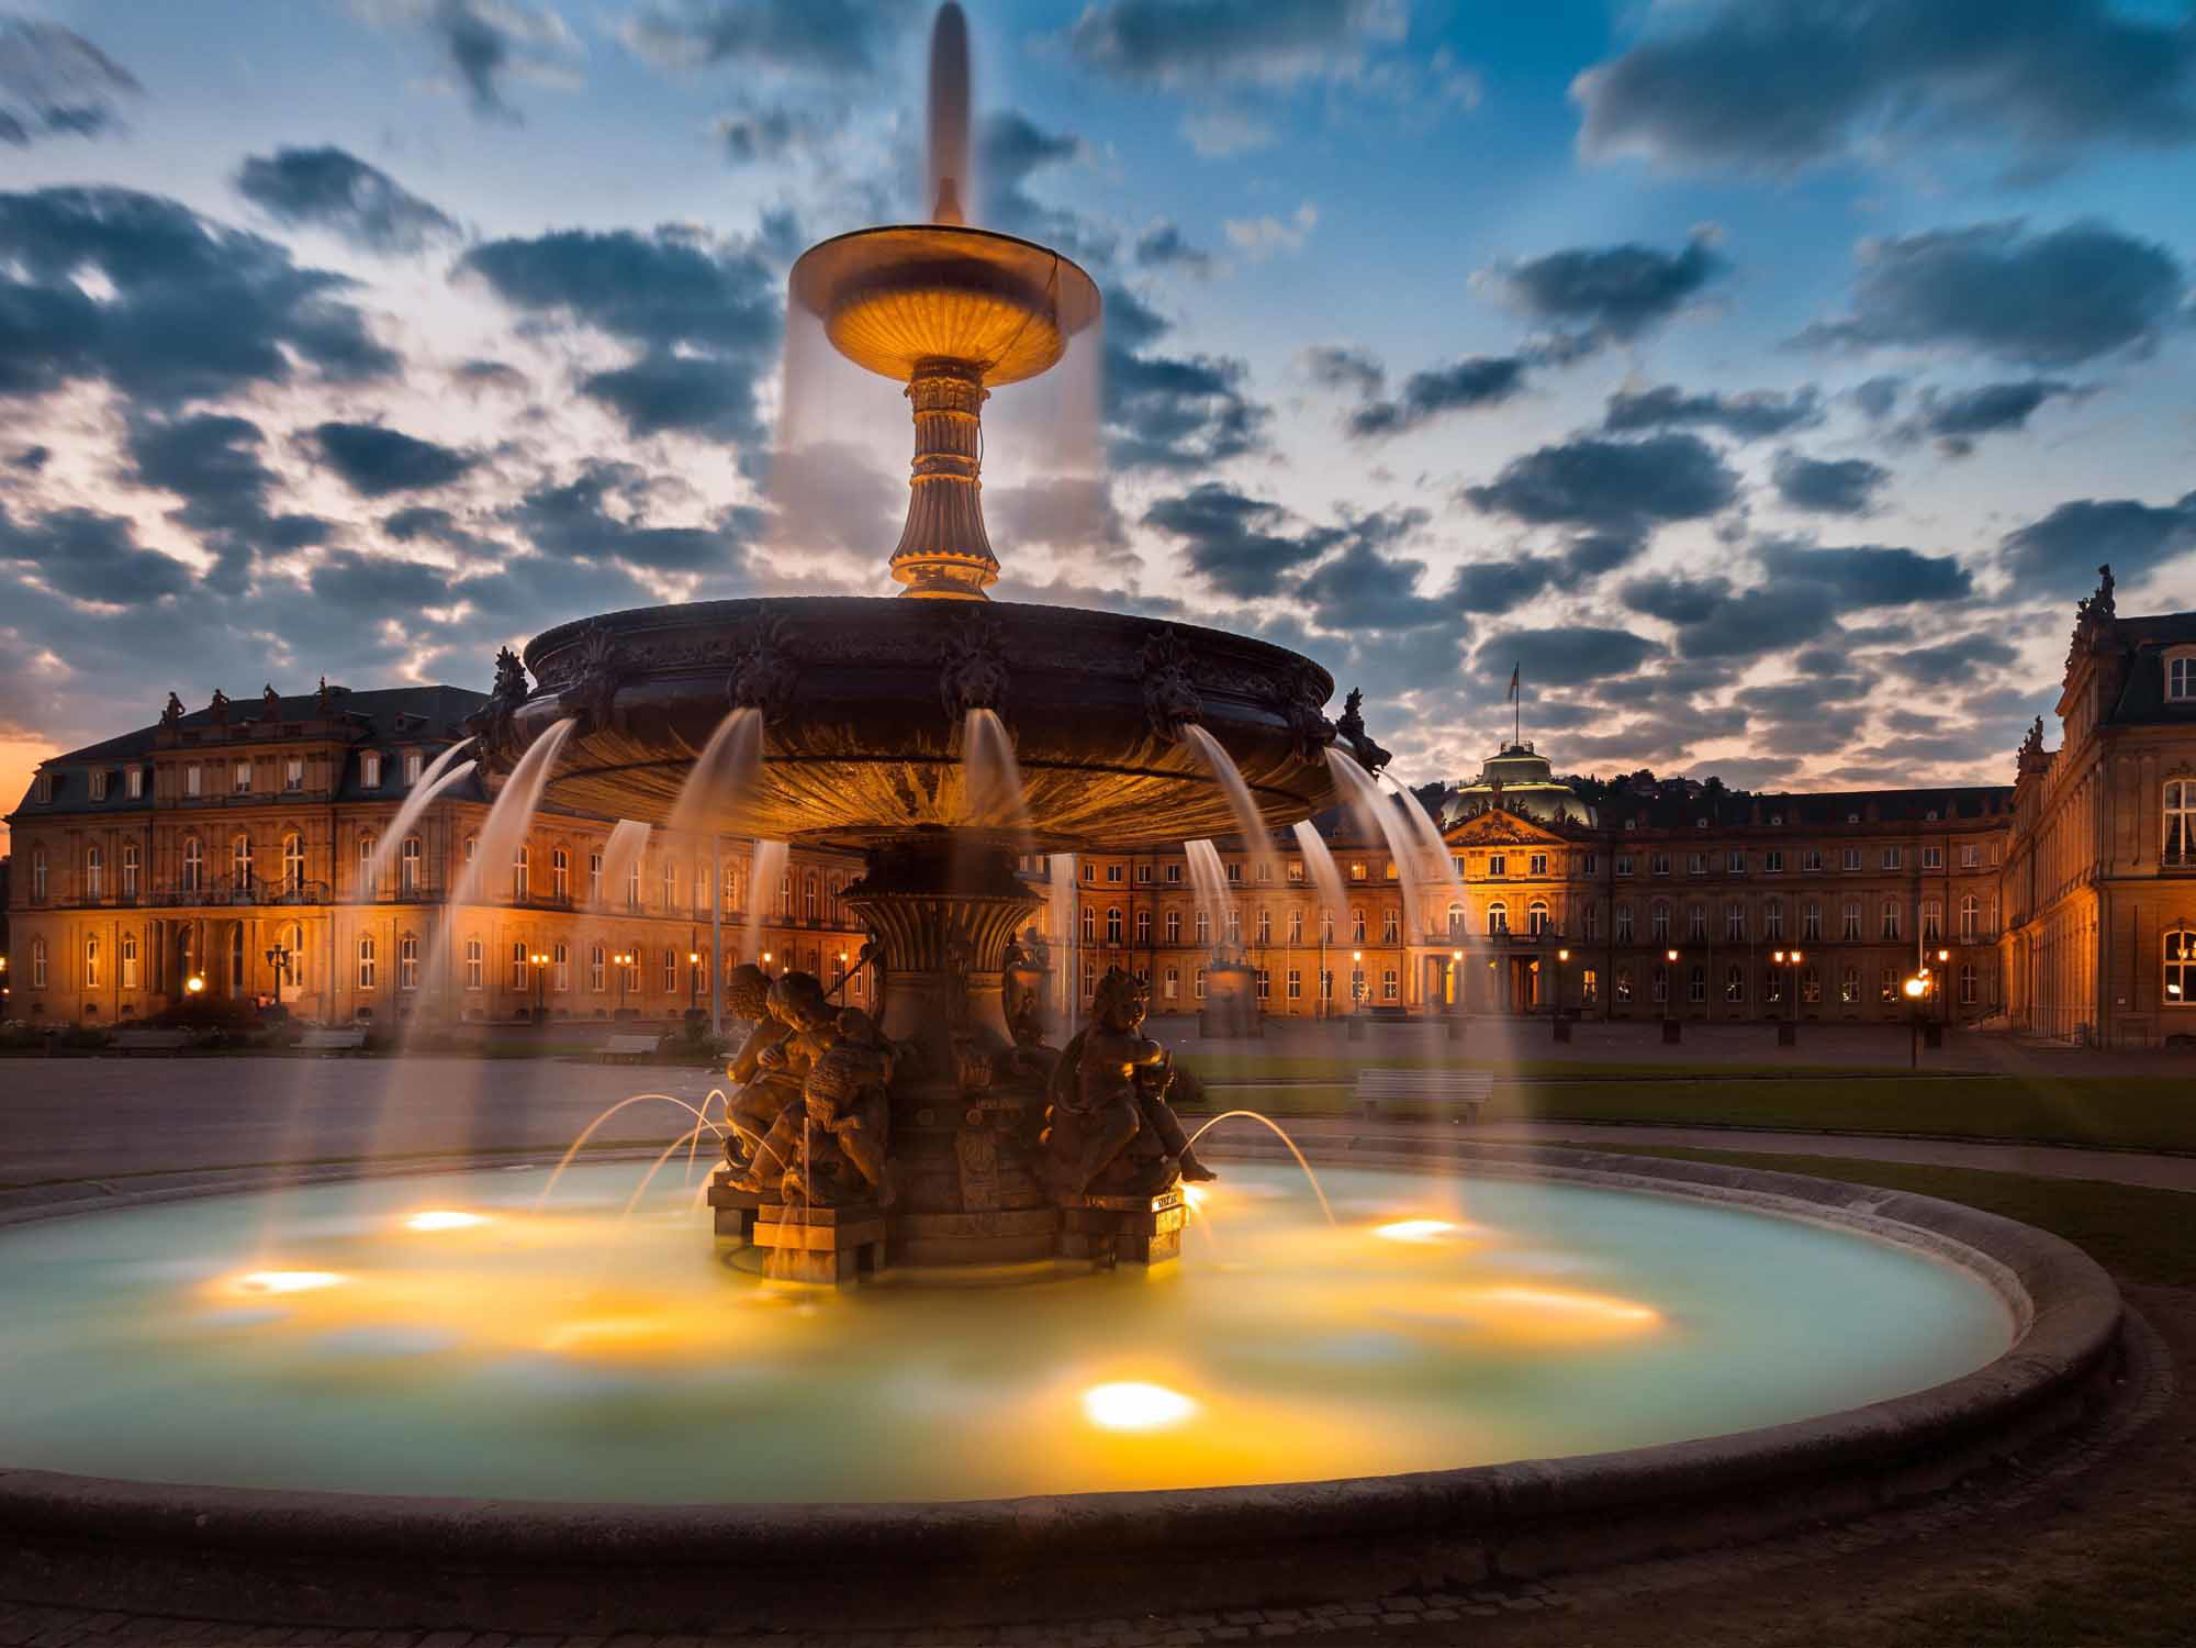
<point>99,786</point>
<point>42,788</point>
<point>133,783</point>
<point>369,770</point>
<point>2181,678</point>
<point>414,765</point>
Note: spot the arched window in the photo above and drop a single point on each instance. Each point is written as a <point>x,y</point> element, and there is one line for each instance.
<point>1456,921</point>
<point>365,961</point>
<point>1498,919</point>
<point>1849,986</point>
<point>38,964</point>
<point>2180,813</point>
<point>130,869</point>
<point>1391,926</point>
<point>1851,928</point>
<point>293,863</point>
<point>95,874</point>
<point>1113,924</point>
<point>560,874</point>
<point>2180,968</point>
<point>240,863</point>
<point>1090,924</point>
<point>129,961</point>
<point>91,963</point>
<point>1734,922</point>
<point>1623,923</point>
<point>366,887</point>
<point>1536,917</point>
<point>411,864</point>
<point>472,848</point>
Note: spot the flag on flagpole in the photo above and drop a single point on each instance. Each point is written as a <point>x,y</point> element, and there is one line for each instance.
<point>1513,683</point>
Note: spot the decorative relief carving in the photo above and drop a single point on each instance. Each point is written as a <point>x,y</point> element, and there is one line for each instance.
<point>1170,693</point>
<point>973,672</point>
<point>766,675</point>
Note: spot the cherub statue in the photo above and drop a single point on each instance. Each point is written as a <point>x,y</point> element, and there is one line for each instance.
<point>173,712</point>
<point>219,708</point>
<point>761,1094</point>
<point>848,1117</point>
<point>1110,1127</point>
<point>806,1025</point>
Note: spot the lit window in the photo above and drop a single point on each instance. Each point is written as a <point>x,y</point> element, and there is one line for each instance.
<point>293,864</point>
<point>91,964</point>
<point>242,778</point>
<point>2180,968</point>
<point>194,869</point>
<point>129,961</point>
<point>414,765</point>
<point>1498,919</point>
<point>293,774</point>
<point>133,783</point>
<point>369,770</point>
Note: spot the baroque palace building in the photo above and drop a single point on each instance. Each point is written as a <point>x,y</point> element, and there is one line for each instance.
<point>231,847</point>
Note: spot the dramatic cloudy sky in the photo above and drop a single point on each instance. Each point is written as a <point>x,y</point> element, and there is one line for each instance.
<point>1765,377</point>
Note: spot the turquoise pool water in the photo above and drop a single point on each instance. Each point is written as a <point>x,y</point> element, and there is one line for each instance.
<point>441,1335</point>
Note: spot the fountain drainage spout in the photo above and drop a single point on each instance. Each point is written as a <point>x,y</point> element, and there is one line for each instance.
<point>944,552</point>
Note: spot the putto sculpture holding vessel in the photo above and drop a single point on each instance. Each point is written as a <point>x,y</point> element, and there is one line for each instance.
<point>922,1133</point>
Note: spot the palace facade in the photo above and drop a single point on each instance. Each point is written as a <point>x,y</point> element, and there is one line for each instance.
<point>261,853</point>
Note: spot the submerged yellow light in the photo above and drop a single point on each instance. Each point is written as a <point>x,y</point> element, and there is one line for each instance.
<point>1132,1405</point>
<point>1562,1304</point>
<point>1418,1230</point>
<point>442,1218</point>
<point>286,1281</point>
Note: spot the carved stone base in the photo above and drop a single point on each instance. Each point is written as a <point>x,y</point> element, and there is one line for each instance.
<point>1109,1230</point>
<point>734,1211</point>
<point>830,1245</point>
<point>1000,1236</point>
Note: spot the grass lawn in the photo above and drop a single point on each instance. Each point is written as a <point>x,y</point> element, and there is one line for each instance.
<point>2130,1112</point>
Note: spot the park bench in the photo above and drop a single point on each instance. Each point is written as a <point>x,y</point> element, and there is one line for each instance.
<point>1463,1092</point>
<point>331,1041</point>
<point>627,1046</point>
<point>151,1041</point>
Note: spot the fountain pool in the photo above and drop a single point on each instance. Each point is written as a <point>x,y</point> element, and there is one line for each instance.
<point>436,1335</point>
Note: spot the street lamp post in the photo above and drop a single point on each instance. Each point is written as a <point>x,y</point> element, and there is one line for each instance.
<point>624,959</point>
<point>1562,1024</point>
<point>540,963</point>
<point>1916,988</point>
<point>1788,1032</point>
<point>693,981</point>
<point>1944,998</point>
<point>278,958</point>
<point>1357,995</point>
<point>1672,1029</point>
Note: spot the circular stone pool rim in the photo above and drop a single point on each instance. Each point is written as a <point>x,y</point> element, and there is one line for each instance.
<point>396,1562</point>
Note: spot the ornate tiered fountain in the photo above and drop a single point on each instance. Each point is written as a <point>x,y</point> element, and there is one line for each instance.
<point>939,1133</point>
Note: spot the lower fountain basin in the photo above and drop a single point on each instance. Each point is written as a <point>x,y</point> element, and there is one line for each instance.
<point>1557,1361</point>
<point>864,705</point>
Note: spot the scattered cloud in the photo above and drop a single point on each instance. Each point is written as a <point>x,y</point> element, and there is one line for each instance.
<point>55,83</point>
<point>1164,246</point>
<point>1220,134</point>
<point>1189,45</point>
<point>1244,547</point>
<point>487,44</point>
<point>1616,485</point>
<point>1957,419</point>
<point>1870,575</point>
<point>1748,416</point>
<point>1777,85</point>
<point>331,189</point>
<point>1483,380</point>
<point>2058,298</point>
<point>1595,295</point>
<point>2058,555</point>
<point>375,461</point>
<point>1259,238</point>
<point>89,556</point>
<point>1829,486</point>
<point>818,37</point>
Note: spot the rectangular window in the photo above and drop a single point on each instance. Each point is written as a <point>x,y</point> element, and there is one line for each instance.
<point>1498,864</point>
<point>1113,874</point>
<point>369,770</point>
<point>42,787</point>
<point>1772,920</point>
<point>1696,864</point>
<point>1391,988</point>
<point>1143,875</point>
<point>1537,864</point>
<point>1624,924</point>
<point>242,778</point>
<point>1734,862</point>
<point>414,764</point>
<point>99,786</point>
<point>193,780</point>
<point>1811,859</point>
<point>1624,864</point>
<point>1932,858</point>
<point>133,783</point>
<point>1852,859</point>
<point>1890,919</point>
<point>1734,922</point>
<point>1851,927</point>
<point>1811,921</point>
<point>1590,865</point>
<point>1696,922</point>
<point>293,774</point>
<point>1772,861</point>
<point>475,964</point>
<point>1659,864</point>
<point>1174,875</point>
<point>1589,987</point>
<point>366,961</point>
<point>1296,984</point>
<point>1892,858</point>
<point>1970,856</point>
<point>1623,986</point>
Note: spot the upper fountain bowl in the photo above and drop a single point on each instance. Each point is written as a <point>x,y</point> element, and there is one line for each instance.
<point>894,298</point>
<point>865,711</point>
